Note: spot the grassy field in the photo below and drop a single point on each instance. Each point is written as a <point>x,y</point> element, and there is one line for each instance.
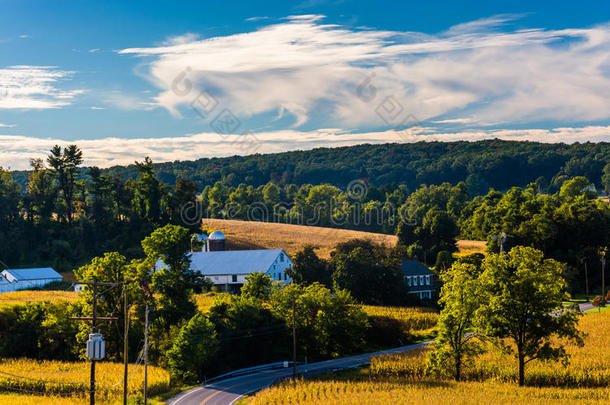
<point>292,238</point>
<point>19,297</point>
<point>401,379</point>
<point>413,318</point>
<point>63,379</point>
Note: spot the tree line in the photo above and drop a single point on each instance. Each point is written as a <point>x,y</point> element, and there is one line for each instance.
<point>65,214</point>
<point>482,165</point>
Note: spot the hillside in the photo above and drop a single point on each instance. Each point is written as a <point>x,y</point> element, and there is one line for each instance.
<point>491,163</point>
<point>292,238</point>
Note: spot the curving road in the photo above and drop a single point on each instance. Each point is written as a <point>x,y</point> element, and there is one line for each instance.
<point>229,391</point>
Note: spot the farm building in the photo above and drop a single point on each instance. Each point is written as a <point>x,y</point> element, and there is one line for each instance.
<point>228,269</point>
<point>419,279</point>
<point>21,279</point>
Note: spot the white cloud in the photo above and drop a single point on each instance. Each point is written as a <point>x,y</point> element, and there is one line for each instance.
<point>6,125</point>
<point>257,18</point>
<point>34,87</point>
<point>16,150</point>
<point>303,67</point>
<point>94,50</point>
<point>127,102</point>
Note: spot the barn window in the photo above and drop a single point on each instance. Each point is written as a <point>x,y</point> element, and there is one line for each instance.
<point>427,280</point>
<point>234,278</point>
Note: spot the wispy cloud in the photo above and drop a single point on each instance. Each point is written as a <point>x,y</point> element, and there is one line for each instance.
<point>127,102</point>
<point>94,50</point>
<point>311,69</point>
<point>34,87</point>
<point>257,18</point>
<point>6,125</point>
<point>15,151</point>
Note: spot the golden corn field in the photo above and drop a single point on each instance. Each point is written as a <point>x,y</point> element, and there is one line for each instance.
<point>206,300</point>
<point>411,318</point>
<point>67,378</point>
<point>20,297</point>
<point>401,379</point>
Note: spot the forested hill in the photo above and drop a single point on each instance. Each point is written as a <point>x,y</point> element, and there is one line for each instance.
<point>483,164</point>
<point>494,163</point>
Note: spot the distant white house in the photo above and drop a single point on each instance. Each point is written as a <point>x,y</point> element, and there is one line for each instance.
<point>228,269</point>
<point>21,279</point>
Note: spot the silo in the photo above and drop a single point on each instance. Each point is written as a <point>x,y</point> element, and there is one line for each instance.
<point>216,241</point>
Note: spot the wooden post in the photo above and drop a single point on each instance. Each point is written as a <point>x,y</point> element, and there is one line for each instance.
<point>93,325</point>
<point>125,346</point>
<point>94,320</point>
<point>146,356</point>
<point>294,340</point>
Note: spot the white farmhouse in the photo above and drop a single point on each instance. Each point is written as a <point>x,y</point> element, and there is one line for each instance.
<point>228,269</point>
<point>21,279</point>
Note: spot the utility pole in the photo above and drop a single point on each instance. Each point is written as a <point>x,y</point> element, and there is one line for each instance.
<point>94,319</point>
<point>125,345</point>
<point>294,340</point>
<point>602,254</point>
<point>146,356</point>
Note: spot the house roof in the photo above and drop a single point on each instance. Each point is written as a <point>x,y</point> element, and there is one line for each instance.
<point>233,261</point>
<point>414,268</point>
<point>42,273</point>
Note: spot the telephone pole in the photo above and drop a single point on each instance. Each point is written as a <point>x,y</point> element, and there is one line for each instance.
<point>294,340</point>
<point>94,319</point>
<point>125,346</point>
<point>146,356</point>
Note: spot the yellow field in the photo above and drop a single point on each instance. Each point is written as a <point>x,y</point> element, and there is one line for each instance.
<point>19,297</point>
<point>412,318</point>
<point>62,378</point>
<point>292,238</point>
<point>468,247</point>
<point>206,300</point>
<point>401,379</point>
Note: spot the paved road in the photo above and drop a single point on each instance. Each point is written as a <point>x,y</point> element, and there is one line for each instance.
<point>585,306</point>
<point>229,391</point>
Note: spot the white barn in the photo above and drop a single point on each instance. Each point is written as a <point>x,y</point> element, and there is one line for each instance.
<point>228,269</point>
<point>21,279</point>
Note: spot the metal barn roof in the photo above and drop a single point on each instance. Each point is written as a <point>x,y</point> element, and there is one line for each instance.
<point>414,268</point>
<point>233,261</point>
<point>42,273</point>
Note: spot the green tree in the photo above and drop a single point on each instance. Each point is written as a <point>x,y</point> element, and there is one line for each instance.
<point>327,324</point>
<point>41,189</point>
<point>111,268</point>
<point>522,302</point>
<point>167,250</point>
<point>367,272</point>
<point>194,346</point>
<point>64,165</point>
<point>149,192</point>
<point>606,178</point>
<point>577,186</point>
<point>258,285</point>
<point>308,268</point>
<point>460,299</point>
<point>598,302</point>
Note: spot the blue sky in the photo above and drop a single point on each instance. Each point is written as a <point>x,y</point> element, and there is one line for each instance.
<point>266,77</point>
